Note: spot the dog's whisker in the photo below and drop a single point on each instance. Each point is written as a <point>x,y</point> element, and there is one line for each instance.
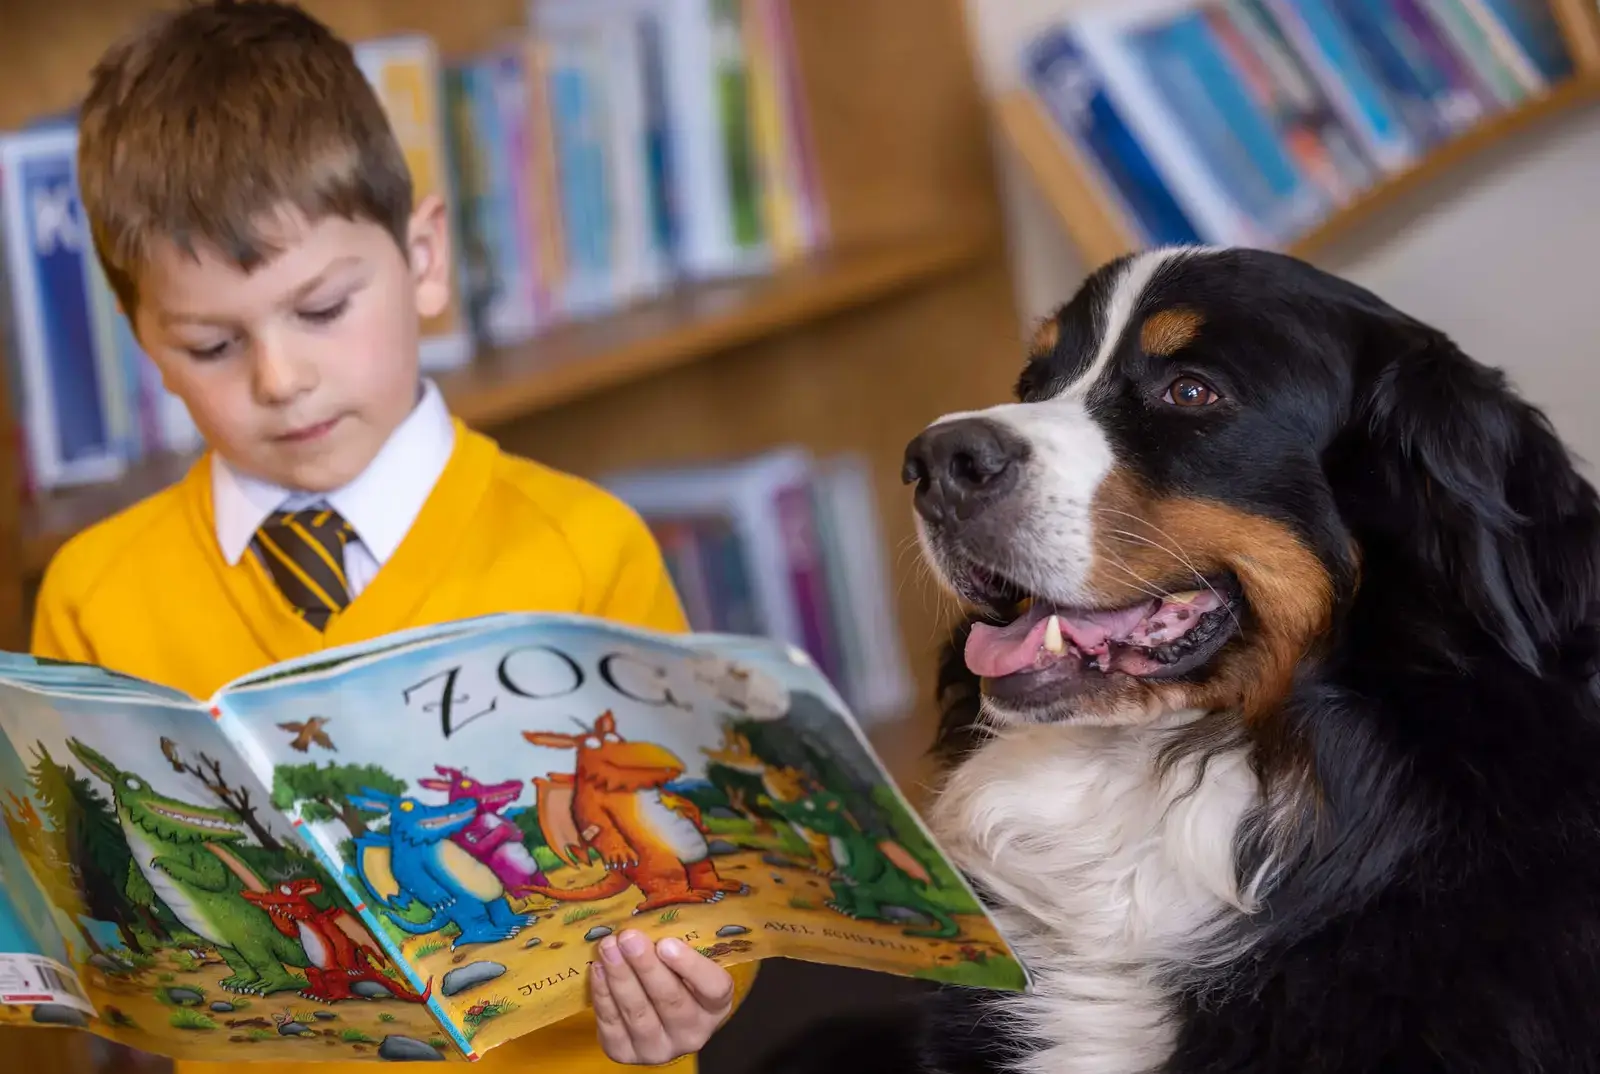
<point>1187,563</point>
<point>1144,585</point>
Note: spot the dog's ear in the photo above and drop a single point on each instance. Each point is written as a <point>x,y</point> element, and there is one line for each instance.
<point>1445,471</point>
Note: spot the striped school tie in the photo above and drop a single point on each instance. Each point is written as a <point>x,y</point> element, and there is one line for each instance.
<point>304,552</point>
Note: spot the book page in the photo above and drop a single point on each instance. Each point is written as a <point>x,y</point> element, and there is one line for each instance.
<point>502,800</point>
<point>37,983</point>
<point>198,924</point>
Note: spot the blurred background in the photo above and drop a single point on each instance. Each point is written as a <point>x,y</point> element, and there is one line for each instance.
<point>727,256</point>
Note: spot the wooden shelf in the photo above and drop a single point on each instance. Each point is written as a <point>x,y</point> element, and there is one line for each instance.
<point>583,359</point>
<point>1446,157</point>
<point>1091,219</point>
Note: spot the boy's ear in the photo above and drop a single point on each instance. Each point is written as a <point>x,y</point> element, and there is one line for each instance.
<point>428,252</point>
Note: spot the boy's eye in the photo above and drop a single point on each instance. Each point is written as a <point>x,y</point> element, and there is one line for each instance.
<point>216,350</point>
<point>324,314</point>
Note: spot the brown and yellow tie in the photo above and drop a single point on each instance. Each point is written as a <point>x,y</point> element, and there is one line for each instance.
<point>304,552</point>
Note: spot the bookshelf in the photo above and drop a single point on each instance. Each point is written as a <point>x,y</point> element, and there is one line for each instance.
<point>1094,222</point>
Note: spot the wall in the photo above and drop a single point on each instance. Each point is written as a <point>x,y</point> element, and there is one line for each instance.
<point>1502,256</point>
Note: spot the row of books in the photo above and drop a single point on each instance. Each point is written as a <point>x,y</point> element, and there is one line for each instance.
<point>785,545</point>
<point>602,154</point>
<point>1249,122</point>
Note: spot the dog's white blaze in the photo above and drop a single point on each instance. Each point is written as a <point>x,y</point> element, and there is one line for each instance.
<point>1106,873</point>
<point>1116,316</point>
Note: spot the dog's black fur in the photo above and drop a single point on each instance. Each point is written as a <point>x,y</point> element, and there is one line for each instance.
<point>1441,912</point>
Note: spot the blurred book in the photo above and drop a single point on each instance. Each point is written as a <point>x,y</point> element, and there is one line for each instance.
<point>1248,122</point>
<point>786,546</point>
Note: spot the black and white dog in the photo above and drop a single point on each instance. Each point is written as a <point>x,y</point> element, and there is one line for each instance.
<point>1274,740</point>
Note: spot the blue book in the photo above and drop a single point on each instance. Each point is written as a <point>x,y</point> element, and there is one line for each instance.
<point>1413,84</point>
<point>577,109</point>
<point>1533,26</point>
<point>1227,124</point>
<point>1346,75</point>
<point>1073,91</point>
<point>73,435</point>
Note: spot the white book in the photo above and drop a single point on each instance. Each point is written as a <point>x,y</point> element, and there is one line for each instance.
<point>700,53</point>
<point>1100,33</point>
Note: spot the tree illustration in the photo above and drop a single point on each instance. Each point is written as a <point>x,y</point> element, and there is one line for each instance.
<point>98,853</point>
<point>322,792</point>
<point>209,773</point>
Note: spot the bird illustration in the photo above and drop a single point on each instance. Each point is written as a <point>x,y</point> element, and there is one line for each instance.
<point>169,750</point>
<point>307,733</point>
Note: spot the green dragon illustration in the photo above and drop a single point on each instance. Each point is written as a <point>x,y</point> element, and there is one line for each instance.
<point>182,851</point>
<point>869,874</point>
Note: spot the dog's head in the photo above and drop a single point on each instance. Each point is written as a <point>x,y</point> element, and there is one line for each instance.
<point>1218,463</point>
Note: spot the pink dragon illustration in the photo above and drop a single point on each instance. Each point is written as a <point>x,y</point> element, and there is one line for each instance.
<point>490,837</point>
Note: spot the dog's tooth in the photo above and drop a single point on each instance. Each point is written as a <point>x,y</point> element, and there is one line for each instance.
<point>1188,596</point>
<point>1053,642</point>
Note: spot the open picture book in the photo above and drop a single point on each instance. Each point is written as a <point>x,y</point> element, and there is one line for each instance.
<point>410,848</point>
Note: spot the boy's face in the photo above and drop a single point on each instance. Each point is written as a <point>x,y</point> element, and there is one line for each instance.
<point>297,372</point>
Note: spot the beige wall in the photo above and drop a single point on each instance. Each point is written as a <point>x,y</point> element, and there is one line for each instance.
<point>1502,256</point>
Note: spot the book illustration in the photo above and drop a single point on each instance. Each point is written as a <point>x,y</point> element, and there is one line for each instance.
<point>505,793</point>
<point>489,836</point>
<point>343,958</point>
<point>615,803</point>
<point>869,875</point>
<point>187,916</point>
<point>414,861</point>
<point>309,733</point>
<point>183,854</point>
<point>781,785</point>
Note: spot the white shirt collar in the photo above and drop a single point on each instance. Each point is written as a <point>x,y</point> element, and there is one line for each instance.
<point>381,502</point>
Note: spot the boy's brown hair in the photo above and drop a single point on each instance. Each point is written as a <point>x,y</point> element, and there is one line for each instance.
<point>207,122</point>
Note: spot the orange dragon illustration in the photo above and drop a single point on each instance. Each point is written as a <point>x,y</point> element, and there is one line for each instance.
<point>615,801</point>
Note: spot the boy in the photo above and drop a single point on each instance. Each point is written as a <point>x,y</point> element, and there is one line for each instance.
<point>254,215</point>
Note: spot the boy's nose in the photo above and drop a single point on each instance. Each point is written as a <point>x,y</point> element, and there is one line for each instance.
<point>280,374</point>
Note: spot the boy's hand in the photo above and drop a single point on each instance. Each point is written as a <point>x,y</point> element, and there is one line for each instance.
<point>654,1004</point>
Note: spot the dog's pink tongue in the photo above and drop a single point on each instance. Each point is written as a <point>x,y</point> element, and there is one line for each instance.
<point>994,652</point>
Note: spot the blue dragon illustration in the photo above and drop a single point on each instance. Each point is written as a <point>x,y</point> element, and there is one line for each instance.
<point>414,860</point>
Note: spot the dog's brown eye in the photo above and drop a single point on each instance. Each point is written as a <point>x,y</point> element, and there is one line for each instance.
<point>1188,391</point>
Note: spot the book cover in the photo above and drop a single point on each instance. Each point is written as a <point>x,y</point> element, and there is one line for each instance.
<point>410,847</point>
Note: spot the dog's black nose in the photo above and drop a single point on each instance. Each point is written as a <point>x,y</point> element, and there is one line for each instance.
<point>961,466</point>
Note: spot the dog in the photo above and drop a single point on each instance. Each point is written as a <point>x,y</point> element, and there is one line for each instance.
<point>1272,737</point>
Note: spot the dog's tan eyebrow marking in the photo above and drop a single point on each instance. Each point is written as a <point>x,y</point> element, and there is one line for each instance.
<point>1166,331</point>
<point>1045,337</point>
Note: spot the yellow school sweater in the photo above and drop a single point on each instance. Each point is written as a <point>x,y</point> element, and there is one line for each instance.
<point>149,593</point>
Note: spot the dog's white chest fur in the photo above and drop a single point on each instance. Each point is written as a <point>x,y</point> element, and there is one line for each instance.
<point>1108,873</point>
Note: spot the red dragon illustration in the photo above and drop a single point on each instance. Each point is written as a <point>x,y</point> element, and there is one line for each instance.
<point>340,949</point>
